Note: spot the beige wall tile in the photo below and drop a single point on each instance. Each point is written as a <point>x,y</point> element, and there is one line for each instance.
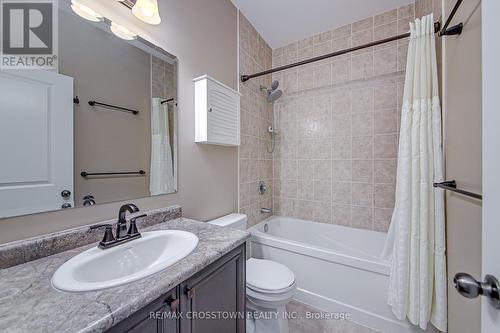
<point>362,66</point>
<point>362,217</point>
<point>289,189</point>
<point>322,212</point>
<point>387,17</point>
<point>322,75</point>
<point>341,102</point>
<point>305,79</point>
<point>341,125</point>
<point>362,147</point>
<point>323,170</point>
<point>305,210</point>
<point>341,214</point>
<point>383,195</point>
<point>385,146</point>
<point>385,122</point>
<point>362,171</point>
<point>362,37</point>
<point>342,170</point>
<point>362,194</point>
<point>362,124</point>
<point>305,189</point>
<point>305,43</point>
<point>342,31</point>
<point>323,149</point>
<point>323,37</point>
<point>382,219</point>
<point>335,142</point>
<point>386,61</point>
<point>322,190</point>
<point>406,11</point>
<point>322,48</point>
<point>289,169</point>
<point>363,100</point>
<point>385,171</point>
<point>362,24</point>
<point>341,148</point>
<point>305,170</point>
<point>341,70</point>
<point>385,97</point>
<point>342,192</point>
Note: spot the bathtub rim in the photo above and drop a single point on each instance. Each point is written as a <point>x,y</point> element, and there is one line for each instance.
<point>374,265</point>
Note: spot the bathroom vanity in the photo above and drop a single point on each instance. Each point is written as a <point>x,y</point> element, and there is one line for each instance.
<point>217,289</point>
<point>208,281</point>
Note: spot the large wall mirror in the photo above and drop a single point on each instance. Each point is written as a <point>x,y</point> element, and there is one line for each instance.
<point>101,128</point>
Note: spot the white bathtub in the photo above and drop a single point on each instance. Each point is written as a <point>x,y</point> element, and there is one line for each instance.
<point>337,268</point>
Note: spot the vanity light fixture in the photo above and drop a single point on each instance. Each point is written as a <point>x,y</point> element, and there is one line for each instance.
<point>122,32</point>
<point>147,11</point>
<point>85,12</point>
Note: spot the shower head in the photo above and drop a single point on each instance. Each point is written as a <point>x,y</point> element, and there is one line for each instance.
<point>273,95</point>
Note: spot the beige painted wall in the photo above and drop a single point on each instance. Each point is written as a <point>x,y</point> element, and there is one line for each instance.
<point>203,35</point>
<point>463,130</point>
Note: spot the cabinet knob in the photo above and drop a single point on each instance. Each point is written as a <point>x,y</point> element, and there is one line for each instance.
<point>174,305</point>
<point>191,293</point>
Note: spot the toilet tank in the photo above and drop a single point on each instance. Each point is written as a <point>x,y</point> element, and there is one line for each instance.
<point>236,221</point>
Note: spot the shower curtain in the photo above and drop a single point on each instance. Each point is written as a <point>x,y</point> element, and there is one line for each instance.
<point>161,177</point>
<point>416,239</point>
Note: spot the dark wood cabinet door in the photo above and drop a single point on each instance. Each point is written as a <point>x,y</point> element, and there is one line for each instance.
<point>163,320</point>
<point>213,301</point>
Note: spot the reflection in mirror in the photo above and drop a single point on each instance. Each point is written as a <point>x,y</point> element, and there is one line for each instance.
<point>101,129</point>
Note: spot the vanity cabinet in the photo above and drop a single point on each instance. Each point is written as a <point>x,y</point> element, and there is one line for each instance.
<point>213,300</point>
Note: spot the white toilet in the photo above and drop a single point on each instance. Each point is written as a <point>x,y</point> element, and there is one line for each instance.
<point>269,287</point>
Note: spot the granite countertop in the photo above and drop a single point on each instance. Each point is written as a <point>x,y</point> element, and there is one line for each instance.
<point>29,303</point>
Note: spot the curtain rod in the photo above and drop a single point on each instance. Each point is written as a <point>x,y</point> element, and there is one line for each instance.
<point>455,30</point>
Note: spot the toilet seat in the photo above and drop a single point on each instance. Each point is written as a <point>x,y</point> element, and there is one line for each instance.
<point>269,277</point>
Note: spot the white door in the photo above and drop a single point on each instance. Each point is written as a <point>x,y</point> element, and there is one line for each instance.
<point>490,317</point>
<point>36,141</point>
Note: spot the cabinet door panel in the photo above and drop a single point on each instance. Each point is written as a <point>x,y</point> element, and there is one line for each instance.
<point>215,293</point>
<point>142,322</point>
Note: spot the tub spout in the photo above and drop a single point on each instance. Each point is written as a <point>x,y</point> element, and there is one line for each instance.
<point>266,210</point>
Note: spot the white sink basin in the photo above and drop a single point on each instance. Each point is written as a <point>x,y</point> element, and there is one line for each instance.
<point>97,269</point>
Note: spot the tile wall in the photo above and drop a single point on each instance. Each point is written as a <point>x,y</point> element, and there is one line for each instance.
<point>256,163</point>
<point>335,160</point>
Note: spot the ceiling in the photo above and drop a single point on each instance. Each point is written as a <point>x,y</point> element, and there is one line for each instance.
<point>281,22</point>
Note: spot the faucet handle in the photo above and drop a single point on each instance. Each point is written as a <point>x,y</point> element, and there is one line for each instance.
<point>132,229</point>
<point>108,234</point>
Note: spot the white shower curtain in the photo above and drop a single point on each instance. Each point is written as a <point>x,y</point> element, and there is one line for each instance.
<point>161,178</point>
<point>416,240</point>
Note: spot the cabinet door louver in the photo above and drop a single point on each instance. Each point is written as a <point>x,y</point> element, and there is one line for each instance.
<point>217,119</point>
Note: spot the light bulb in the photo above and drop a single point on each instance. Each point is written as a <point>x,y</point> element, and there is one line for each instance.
<point>85,12</point>
<point>122,32</point>
<point>147,11</point>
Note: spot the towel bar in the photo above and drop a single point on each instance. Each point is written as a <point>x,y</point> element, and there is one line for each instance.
<point>451,185</point>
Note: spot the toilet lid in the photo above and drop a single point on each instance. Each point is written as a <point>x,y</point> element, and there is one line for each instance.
<point>268,275</point>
